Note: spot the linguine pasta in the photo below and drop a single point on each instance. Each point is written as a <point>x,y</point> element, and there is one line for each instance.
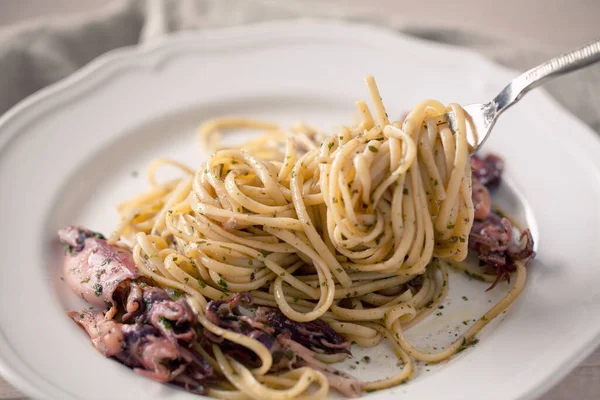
<point>356,228</point>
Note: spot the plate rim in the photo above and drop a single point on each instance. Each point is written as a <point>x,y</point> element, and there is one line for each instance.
<point>149,56</point>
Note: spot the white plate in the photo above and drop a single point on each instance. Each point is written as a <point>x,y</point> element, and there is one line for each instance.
<point>67,155</point>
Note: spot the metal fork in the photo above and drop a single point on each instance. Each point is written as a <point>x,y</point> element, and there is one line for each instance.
<point>482,117</point>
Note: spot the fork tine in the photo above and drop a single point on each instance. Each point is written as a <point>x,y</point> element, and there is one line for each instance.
<point>449,119</point>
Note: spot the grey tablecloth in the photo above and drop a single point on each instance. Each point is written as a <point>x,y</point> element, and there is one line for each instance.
<point>36,54</point>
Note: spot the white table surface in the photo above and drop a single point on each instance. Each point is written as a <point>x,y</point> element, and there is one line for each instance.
<point>546,22</point>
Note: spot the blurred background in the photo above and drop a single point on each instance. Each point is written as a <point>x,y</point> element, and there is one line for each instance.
<point>553,23</point>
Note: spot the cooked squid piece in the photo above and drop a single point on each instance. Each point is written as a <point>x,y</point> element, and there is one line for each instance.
<point>493,237</point>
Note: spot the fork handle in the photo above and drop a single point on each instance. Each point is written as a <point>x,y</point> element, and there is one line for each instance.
<point>557,66</point>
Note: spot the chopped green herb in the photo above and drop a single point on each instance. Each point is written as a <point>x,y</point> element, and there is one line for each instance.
<point>165,322</point>
<point>97,289</point>
<point>471,275</point>
<point>222,283</point>
<point>68,249</point>
<point>373,149</point>
<point>465,298</point>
